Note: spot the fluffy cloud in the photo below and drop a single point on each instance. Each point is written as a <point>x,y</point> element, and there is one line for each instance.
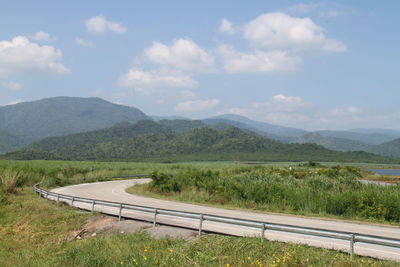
<point>278,30</point>
<point>100,24</point>
<point>226,27</point>
<point>13,86</point>
<point>21,56</point>
<point>258,61</point>
<point>42,36</point>
<point>183,54</point>
<point>197,105</point>
<point>144,81</point>
<point>14,102</point>
<point>82,42</point>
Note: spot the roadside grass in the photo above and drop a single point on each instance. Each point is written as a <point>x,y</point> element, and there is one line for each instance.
<point>194,196</point>
<point>33,230</point>
<point>303,190</point>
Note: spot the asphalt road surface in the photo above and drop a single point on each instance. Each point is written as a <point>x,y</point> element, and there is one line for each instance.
<point>115,191</point>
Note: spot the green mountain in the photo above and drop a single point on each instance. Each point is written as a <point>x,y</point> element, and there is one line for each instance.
<point>198,144</point>
<point>391,148</point>
<point>333,143</point>
<point>120,131</point>
<point>60,116</point>
<point>181,126</point>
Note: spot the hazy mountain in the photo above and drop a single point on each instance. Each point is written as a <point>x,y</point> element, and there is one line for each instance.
<point>10,142</point>
<point>334,143</point>
<point>62,115</point>
<point>268,128</point>
<point>159,118</point>
<point>367,138</point>
<point>244,126</point>
<point>389,132</point>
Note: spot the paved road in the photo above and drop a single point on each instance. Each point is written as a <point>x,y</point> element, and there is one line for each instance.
<point>115,191</point>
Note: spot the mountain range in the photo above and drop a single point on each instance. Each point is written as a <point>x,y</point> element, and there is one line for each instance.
<point>96,119</point>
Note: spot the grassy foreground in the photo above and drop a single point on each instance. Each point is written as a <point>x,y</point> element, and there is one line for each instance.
<point>33,231</point>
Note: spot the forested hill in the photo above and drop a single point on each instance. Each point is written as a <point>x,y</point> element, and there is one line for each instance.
<point>120,131</point>
<point>63,115</point>
<point>149,141</point>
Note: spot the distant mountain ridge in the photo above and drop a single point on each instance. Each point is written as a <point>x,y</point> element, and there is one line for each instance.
<point>31,121</point>
<point>263,126</point>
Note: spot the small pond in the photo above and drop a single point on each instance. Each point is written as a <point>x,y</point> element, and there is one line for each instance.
<point>395,172</point>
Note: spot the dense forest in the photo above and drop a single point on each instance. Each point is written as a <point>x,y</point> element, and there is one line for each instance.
<point>151,141</point>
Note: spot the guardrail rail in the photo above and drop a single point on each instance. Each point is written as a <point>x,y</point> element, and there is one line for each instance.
<point>262,226</point>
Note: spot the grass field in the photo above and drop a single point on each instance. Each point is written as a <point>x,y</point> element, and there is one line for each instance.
<point>33,230</point>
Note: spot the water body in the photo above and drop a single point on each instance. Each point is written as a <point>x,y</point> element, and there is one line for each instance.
<point>395,172</point>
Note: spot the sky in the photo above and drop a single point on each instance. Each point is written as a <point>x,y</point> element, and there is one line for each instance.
<point>311,65</point>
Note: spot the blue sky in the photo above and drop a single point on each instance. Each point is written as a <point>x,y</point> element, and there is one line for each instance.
<point>313,65</point>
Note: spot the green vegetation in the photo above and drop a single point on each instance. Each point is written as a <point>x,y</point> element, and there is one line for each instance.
<point>153,142</point>
<point>310,189</point>
<point>33,231</point>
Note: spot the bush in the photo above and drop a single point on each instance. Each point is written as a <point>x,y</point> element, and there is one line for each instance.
<point>10,179</point>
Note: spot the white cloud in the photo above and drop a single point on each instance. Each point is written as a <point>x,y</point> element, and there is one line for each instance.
<point>13,86</point>
<point>197,105</point>
<point>347,111</point>
<point>21,55</point>
<point>226,27</point>
<point>182,54</point>
<point>14,102</point>
<point>82,42</point>
<point>278,30</point>
<point>259,61</point>
<point>331,13</point>
<point>42,36</point>
<point>188,94</point>
<point>144,81</point>
<point>303,7</point>
<point>100,24</point>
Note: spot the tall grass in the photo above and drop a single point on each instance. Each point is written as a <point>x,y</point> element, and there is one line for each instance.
<point>304,190</point>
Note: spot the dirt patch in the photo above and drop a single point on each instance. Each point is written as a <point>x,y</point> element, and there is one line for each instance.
<point>106,225</point>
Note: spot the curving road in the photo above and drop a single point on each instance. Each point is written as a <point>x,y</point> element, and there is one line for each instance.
<point>115,191</point>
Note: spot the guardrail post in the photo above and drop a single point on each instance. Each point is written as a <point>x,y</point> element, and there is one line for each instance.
<point>352,241</point>
<point>47,194</point>
<point>201,224</point>
<point>263,231</point>
<point>155,217</point>
<point>72,201</point>
<point>58,198</point>
<point>93,202</point>
<point>120,212</point>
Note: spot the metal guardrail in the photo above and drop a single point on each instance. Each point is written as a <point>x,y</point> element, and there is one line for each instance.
<point>261,225</point>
